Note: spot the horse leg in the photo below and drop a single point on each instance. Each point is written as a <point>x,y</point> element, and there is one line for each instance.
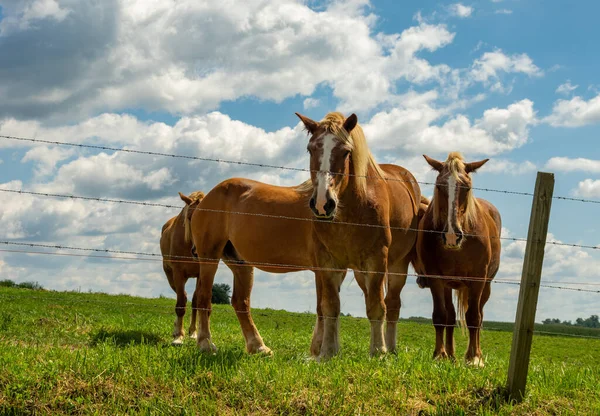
<point>473,317</point>
<point>375,302</point>
<point>180,305</point>
<point>439,316</point>
<point>204,286</point>
<point>193,324</point>
<point>240,300</point>
<point>450,321</point>
<point>487,289</point>
<point>396,282</point>
<point>330,307</point>
<point>317,338</point>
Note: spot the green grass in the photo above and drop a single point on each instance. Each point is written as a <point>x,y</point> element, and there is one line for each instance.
<point>76,353</point>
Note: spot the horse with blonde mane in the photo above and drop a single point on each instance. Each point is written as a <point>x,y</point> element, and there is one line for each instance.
<point>459,236</point>
<point>175,247</point>
<point>346,216</point>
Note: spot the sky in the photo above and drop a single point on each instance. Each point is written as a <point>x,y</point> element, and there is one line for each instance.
<point>510,80</point>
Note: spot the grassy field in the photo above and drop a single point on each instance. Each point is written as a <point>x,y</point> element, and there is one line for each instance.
<point>76,353</point>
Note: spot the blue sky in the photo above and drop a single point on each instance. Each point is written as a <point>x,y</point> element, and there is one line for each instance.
<point>512,80</point>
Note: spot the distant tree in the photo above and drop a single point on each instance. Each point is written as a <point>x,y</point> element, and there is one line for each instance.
<point>220,294</point>
<point>591,322</point>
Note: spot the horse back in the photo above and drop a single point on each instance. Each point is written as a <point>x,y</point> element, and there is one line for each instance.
<point>402,179</point>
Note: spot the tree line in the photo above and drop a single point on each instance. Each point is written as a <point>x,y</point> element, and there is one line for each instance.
<point>591,322</point>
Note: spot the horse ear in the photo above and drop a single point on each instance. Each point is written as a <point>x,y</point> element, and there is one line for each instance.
<point>436,164</point>
<point>350,122</point>
<point>309,124</point>
<point>473,166</point>
<point>185,198</point>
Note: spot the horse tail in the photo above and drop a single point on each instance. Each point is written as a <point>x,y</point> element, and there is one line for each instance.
<point>462,303</point>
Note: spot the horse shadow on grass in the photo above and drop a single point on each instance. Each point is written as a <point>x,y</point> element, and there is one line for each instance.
<point>122,338</point>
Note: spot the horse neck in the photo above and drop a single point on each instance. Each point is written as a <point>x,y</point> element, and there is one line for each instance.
<point>350,197</point>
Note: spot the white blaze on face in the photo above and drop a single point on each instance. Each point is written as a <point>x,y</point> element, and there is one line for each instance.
<point>323,176</point>
<point>451,237</point>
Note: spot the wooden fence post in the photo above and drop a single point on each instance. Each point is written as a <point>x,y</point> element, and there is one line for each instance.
<point>530,285</point>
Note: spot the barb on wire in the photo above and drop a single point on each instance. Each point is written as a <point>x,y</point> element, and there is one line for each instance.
<point>239,162</point>
<point>253,214</point>
<point>567,198</point>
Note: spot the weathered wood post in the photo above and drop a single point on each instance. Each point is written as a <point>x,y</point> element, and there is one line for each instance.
<point>530,285</point>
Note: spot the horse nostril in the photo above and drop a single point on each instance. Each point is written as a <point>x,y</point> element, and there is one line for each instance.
<point>459,237</point>
<point>329,206</point>
<point>312,204</point>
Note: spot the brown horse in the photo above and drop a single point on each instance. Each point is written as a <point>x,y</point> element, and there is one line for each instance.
<point>321,240</point>
<point>459,235</point>
<point>175,246</point>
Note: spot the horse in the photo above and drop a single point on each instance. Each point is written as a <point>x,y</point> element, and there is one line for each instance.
<point>458,247</point>
<point>175,247</point>
<point>313,226</point>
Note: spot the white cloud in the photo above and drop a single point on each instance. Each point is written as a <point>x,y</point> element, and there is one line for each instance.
<point>133,176</point>
<point>566,164</point>
<point>21,15</point>
<point>588,188</point>
<point>46,158</point>
<point>503,11</point>
<point>311,103</point>
<point>566,88</point>
<point>460,10</point>
<point>575,112</point>
<point>488,68</point>
<point>509,167</point>
<point>269,51</point>
<point>411,129</point>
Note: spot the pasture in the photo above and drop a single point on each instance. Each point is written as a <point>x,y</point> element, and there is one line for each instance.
<point>82,353</point>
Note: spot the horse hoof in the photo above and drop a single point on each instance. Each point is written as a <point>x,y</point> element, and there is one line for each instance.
<point>193,335</point>
<point>177,341</point>
<point>326,355</point>
<point>206,345</point>
<point>476,362</point>
<point>262,350</point>
<point>440,355</point>
<point>378,352</point>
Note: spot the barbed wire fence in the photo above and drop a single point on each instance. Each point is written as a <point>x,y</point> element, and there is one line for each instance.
<point>111,254</point>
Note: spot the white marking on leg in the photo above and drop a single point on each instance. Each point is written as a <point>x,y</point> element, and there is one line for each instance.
<point>323,176</point>
<point>451,238</point>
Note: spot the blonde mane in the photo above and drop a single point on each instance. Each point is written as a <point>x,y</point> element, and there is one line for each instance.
<point>195,197</point>
<point>455,164</point>
<point>361,156</point>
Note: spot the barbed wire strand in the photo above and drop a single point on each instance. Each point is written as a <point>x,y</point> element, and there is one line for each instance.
<point>155,204</point>
<point>212,261</point>
<point>239,162</point>
<point>253,214</point>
